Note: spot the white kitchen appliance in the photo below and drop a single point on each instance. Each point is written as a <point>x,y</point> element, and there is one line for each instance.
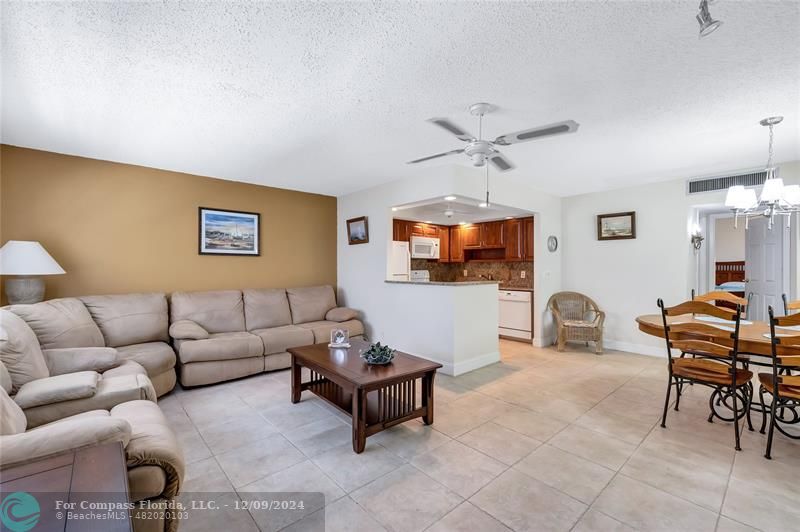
<point>399,261</point>
<point>421,276</point>
<point>515,314</point>
<point>424,247</point>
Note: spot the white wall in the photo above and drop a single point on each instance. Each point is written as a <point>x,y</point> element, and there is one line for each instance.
<point>728,241</point>
<point>362,268</point>
<point>626,277</point>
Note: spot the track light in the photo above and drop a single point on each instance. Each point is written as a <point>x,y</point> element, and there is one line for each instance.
<point>707,23</point>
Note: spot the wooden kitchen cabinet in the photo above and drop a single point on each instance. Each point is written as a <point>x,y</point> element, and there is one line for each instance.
<point>493,234</point>
<point>514,239</point>
<point>527,238</point>
<point>456,244</point>
<point>401,230</point>
<point>444,243</point>
<point>471,236</point>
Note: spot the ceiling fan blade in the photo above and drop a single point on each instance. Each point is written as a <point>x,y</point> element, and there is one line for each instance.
<point>452,152</point>
<point>567,126</point>
<point>444,123</point>
<point>501,162</point>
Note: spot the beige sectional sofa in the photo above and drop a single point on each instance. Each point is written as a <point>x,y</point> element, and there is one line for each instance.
<point>154,457</point>
<point>52,384</point>
<point>135,325</point>
<point>222,335</point>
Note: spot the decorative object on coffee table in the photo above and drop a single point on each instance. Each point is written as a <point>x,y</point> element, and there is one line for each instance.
<point>375,397</point>
<point>27,260</point>
<point>357,230</point>
<point>224,232</point>
<point>340,338</point>
<point>378,355</point>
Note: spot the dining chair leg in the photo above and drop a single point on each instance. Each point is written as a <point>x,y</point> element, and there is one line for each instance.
<point>736,418</point>
<point>768,454</point>
<point>763,410</point>
<point>748,396</point>
<point>679,391</point>
<point>666,403</point>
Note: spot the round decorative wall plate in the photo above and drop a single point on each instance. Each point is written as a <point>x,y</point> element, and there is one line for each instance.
<point>552,243</point>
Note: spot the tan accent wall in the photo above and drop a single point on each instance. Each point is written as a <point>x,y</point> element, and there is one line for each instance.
<point>117,228</point>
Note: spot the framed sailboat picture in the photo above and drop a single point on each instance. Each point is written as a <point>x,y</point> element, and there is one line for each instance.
<point>225,232</point>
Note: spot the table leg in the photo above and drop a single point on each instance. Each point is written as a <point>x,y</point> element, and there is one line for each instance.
<point>427,397</point>
<point>359,420</point>
<point>296,372</point>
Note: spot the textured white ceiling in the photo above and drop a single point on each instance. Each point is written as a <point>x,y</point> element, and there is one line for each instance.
<point>332,97</point>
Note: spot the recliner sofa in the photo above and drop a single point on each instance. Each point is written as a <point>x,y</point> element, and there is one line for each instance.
<point>227,334</point>
<point>135,325</point>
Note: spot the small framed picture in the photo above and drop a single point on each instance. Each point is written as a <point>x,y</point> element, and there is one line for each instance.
<point>225,232</point>
<point>340,338</point>
<point>616,226</point>
<point>357,230</point>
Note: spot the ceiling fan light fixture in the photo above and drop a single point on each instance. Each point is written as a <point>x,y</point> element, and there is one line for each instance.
<point>707,23</point>
<point>449,198</point>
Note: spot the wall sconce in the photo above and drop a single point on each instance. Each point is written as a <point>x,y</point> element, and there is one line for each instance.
<point>697,238</point>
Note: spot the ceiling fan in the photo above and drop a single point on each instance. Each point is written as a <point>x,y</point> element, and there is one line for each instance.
<point>480,150</point>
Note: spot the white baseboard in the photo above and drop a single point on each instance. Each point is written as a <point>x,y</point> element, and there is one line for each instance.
<point>465,366</point>
<point>639,349</point>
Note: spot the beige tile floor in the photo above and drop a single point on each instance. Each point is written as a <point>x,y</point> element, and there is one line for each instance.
<point>540,441</point>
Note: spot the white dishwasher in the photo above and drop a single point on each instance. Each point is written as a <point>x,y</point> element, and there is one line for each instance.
<point>515,314</point>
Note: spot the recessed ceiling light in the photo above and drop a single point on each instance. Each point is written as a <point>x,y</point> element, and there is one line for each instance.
<point>427,222</point>
<point>449,198</point>
<point>394,208</point>
<point>509,217</point>
<point>462,223</point>
<point>483,205</point>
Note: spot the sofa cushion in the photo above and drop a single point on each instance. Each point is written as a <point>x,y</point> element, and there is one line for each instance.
<point>217,312</point>
<point>156,357</point>
<point>12,419</point>
<point>220,346</point>
<point>74,359</point>
<point>340,314</point>
<point>145,482</point>
<point>128,367</point>
<point>57,389</point>
<point>322,329</point>
<point>310,303</point>
<point>61,323</point>
<point>199,373</point>
<point>187,330</point>
<point>20,351</point>
<point>279,339</point>
<point>265,308</point>
<point>130,318</point>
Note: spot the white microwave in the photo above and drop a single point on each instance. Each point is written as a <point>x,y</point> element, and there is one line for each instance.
<point>423,247</point>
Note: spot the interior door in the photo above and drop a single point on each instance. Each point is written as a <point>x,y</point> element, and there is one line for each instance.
<point>764,266</point>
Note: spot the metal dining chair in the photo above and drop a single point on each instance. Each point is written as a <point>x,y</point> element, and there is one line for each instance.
<point>715,359</point>
<point>784,388</point>
<point>718,295</point>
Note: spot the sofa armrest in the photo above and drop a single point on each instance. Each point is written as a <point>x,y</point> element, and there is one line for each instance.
<point>152,442</point>
<point>69,434</point>
<point>341,314</point>
<point>75,359</point>
<point>57,389</point>
<point>187,330</point>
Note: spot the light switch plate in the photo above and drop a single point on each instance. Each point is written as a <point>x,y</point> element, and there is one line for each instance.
<point>522,274</point>
<point>465,273</point>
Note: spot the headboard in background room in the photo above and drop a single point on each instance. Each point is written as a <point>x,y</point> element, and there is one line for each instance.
<point>725,272</point>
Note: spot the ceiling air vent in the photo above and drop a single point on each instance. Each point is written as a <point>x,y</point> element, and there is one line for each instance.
<point>709,184</point>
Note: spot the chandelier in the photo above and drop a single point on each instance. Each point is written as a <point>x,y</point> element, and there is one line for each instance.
<point>775,200</point>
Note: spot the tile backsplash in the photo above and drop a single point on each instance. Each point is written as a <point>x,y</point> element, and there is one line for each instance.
<point>507,273</point>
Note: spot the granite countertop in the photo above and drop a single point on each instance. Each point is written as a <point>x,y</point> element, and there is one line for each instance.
<point>513,289</point>
<point>443,283</point>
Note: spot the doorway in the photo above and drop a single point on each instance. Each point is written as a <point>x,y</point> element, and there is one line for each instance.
<point>752,263</point>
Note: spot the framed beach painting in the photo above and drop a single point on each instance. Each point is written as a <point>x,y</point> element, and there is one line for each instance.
<point>357,230</point>
<point>224,232</point>
<point>616,226</point>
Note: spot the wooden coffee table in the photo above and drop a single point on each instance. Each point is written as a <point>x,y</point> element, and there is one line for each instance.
<point>375,397</point>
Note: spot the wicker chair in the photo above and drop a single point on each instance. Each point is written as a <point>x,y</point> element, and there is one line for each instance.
<point>578,319</point>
